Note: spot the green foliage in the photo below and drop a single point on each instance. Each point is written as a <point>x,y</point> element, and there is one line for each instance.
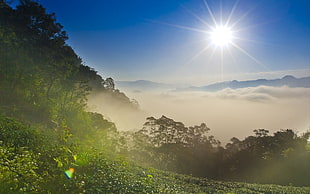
<point>103,175</point>
<point>281,158</point>
<point>167,131</point>
<point>165,144</point>
<point>17,167</point>
<point>15,134</point>
<point>18,145</point>
<point>169,145</point>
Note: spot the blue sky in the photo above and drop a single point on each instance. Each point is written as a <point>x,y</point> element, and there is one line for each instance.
<point>157,39</point>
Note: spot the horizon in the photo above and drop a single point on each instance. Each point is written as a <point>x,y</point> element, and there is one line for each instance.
<point>303,74</point>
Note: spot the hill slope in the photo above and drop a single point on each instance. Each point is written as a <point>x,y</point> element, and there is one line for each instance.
<point>128,178</point>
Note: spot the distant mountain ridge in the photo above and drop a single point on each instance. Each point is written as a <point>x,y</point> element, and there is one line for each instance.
<point>145,85</point>
<point>287,80</point>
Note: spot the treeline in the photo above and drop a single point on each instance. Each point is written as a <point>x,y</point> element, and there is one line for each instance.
<point>281,158</point>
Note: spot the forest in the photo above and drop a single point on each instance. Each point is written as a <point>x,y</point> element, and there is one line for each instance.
<point>45,130</point>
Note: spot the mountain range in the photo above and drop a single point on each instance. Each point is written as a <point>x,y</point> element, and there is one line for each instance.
<point>288,80</point>
<point>144,85</point>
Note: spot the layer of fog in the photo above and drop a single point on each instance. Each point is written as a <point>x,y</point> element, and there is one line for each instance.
<point>125,115</point>
<point>228,113</point>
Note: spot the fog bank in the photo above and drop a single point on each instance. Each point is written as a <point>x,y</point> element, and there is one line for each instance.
<point>228,113</point>
<point>233,113</point>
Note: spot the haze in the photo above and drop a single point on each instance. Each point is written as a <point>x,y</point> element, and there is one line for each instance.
<point>229,113</point>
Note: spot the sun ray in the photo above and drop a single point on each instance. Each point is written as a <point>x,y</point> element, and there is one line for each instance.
<point>242,17</point>
<point>210,13</point>
<point>231,13</point>
<point>196,16</point>
<point>232,56</point>
<point>179,26</point>
<point>253,41</point>
<point>222,63</point>
<point>256,25</point>
<point>221,13</point>
<point>198,54</point>
<point>250,56</point>
<point>212,54</point>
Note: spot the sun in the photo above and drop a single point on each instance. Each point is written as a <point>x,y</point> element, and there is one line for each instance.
<point>221,36</point>
<point>223,33</point>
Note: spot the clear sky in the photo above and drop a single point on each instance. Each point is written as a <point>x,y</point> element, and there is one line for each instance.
<point>169,40</point>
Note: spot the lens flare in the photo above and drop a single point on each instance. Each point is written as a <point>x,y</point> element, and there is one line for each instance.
<point>69,173</point>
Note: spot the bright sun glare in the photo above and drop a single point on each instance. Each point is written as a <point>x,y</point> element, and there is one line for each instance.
<point>221,36</point>
<point>221,33</point>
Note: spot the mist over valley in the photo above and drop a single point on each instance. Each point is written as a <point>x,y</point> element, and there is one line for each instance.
<point>228,111</point>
